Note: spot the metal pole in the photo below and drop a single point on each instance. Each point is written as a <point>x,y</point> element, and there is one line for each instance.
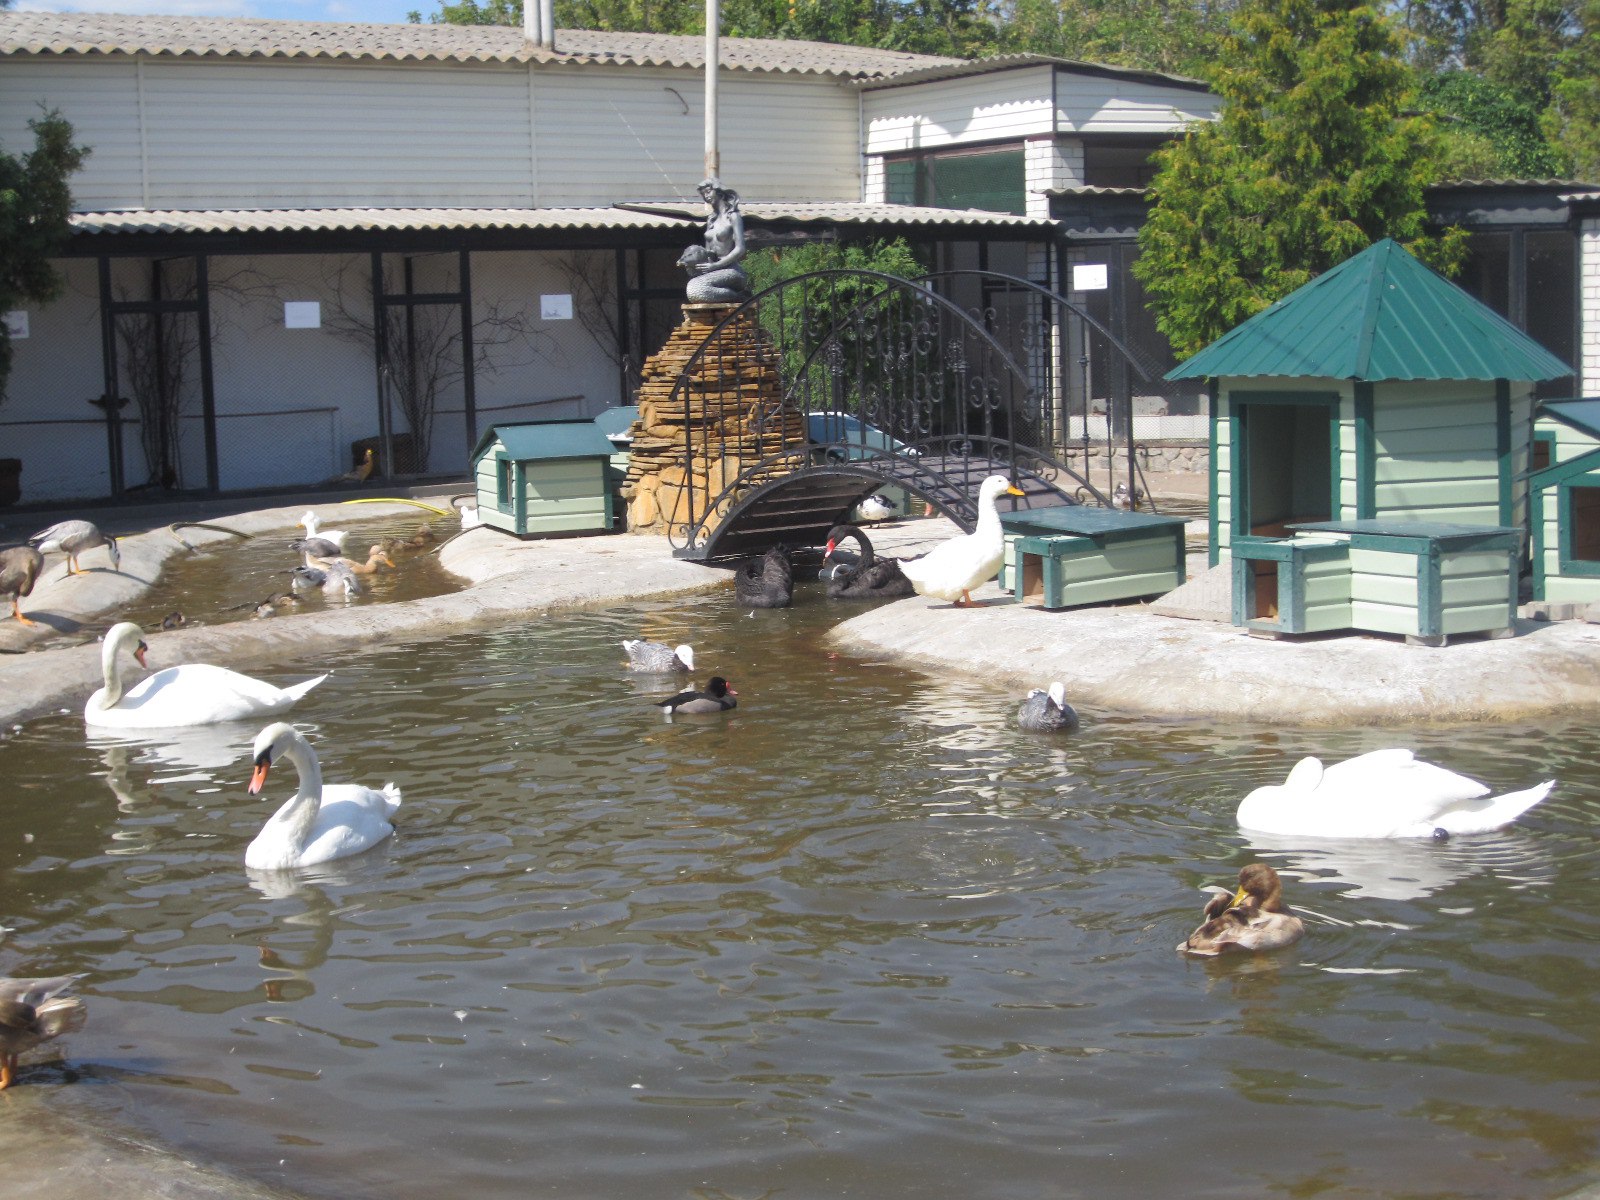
<point>208,387</point>
<point>469,379</point>
<point>380,335</point>
<point>111,402</point>
<point>713,21</point>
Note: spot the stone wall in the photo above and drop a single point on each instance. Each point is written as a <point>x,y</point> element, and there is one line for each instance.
<point>1172,456</point>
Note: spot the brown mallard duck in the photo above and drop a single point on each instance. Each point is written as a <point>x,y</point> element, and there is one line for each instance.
<point>19,568</point>
<point>1252,918</point>
<point>34,1011</point>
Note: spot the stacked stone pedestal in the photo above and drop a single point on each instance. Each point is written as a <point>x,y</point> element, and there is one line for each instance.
<point>691,442</point>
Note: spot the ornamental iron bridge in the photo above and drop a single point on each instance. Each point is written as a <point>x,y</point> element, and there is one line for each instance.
<point>898,387</point>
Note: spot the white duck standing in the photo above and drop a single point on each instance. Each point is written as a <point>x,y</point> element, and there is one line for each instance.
<point>1384,794</point>
<point>321,821</point>
<point>190,694</point>
<point>954,567</point>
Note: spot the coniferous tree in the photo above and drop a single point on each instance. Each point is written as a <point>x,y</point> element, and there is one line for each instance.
<point>35,205</point>
<point>1310,161</point>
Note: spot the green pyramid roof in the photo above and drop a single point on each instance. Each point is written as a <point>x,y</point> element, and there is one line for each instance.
<point>1378,315</point>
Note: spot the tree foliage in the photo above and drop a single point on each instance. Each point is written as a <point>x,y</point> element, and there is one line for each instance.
<point>1310,161</point>
<point>35,203</point>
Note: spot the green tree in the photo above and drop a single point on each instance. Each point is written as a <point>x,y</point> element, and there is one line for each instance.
<point>1494,132</point>
<point>1572,118</point>
<point>1309,162</point>
<point>35,204</point>
<point>1178,36</point>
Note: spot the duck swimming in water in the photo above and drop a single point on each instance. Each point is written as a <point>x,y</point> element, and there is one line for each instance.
<point>765,582</point>
<point>1047,711</point>
<point>657,656</point>
<point>718,697</point>
<point>1252,918</point>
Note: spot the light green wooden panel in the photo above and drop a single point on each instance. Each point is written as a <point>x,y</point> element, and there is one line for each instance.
<point>1484,563</point>
<point>1462,441</point>
<point>1322,618</point>
<point>1383,618</point>
<point>1120,588</point>
<point>1441,467</point>
<point>1322,590</point>
<point>1382,562</point>
<point>1474,619</point>
<point>573,506</point>
<point>1383,589</point>
<point>1560,589</point>
<point>1480,589</point>
<point>549,482</point>
<point>1121,558</point>
<point>1398,408</point>
<point>549,522</point>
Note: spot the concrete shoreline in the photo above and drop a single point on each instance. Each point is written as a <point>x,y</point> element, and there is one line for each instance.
<point>1123,658</point>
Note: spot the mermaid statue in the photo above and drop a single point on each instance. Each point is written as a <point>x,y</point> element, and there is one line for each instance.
<point>714,274</point>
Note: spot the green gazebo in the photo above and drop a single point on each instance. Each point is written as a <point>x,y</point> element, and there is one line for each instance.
<point>1379,395</point>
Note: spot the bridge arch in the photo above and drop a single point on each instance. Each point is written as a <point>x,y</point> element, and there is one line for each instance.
<point>885,383</point>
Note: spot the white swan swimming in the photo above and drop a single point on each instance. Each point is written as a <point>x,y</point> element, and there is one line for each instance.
<point>954,567</point>
<point>321,821</point>
<point>1384,794</point>
<point>191,694</point>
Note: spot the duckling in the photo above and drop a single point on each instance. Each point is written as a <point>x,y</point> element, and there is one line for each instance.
<point>1252,918</point>
<point>377,557</point>
<point>270,606</point>
<point>174,620</point>
<point>34,1011</point>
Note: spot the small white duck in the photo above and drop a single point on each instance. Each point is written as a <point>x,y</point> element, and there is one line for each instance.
<point>190,694</point>
<point>1384,794</point>
<point>312,525</point>
<point>954,567</point>
<point>321,821</point>
<point>876,507</point>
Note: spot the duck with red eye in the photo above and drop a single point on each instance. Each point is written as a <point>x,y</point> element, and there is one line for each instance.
<point>1252,918</point>
<point>717,697</point>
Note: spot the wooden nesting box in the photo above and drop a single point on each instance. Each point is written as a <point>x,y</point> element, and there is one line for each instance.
<point>1564,502</point>
<point>1081,555</point>
<point>1425,582</point>
<point>538,478</point>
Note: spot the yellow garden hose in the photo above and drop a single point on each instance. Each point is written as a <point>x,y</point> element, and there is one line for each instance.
<point>396,500</point>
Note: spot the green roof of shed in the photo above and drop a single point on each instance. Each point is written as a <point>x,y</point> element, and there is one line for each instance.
<point>1583,415</point>
<point>540,441</point>
<point>1378,315</point>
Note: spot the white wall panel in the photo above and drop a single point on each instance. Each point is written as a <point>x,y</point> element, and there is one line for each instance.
<point>101,100</point>
<point>1100,104</point>
<point>951,112</point>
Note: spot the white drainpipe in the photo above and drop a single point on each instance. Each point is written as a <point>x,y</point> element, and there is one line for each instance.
<point>539,22</point>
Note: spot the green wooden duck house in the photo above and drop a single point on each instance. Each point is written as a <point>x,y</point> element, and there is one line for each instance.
<point>1370,442</point>
<point>538,478</point>
<point>1564,502</point>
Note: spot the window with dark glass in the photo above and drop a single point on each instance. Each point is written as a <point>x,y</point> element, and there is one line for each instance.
<point>991,180</point>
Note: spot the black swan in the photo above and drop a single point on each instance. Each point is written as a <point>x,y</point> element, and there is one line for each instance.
<point>765,582</point>
<point>870,577</point>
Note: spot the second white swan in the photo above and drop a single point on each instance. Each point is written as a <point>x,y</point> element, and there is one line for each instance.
<point>321,821</point>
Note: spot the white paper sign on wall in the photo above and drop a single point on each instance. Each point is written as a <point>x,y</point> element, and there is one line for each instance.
<point>1089,277</point>
<point>555,308</point>
<point>302,314</point>
<point>17,323</point>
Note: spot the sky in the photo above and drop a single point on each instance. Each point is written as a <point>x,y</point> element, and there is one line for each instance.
<point>288,10</point>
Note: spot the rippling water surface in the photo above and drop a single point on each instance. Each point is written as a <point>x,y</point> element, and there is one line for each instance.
<point>859,937</point>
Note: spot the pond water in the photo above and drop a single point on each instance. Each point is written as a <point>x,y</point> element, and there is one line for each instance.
<point>223,581</point>
<point>859,937</point>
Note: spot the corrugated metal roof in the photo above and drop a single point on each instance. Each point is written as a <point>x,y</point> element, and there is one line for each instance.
<point>959,68</point>
<point>1582,415</point>
<point>1378,315</point>
<point>655,216</point>
<point>243,37</point>
<point>541,441</point>
<point>350,220</point>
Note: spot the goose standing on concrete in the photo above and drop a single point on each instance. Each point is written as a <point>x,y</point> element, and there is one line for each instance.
<point>1047,711</point>
<point>19,567</point>
<point>954,567</point>
<point>191,694</point>
<point>1252,918</point>
<point>73,538</point>
<point>876,507</point>
<point>34,1011</point>
<point>321,821</point>
<point>1384,794</point>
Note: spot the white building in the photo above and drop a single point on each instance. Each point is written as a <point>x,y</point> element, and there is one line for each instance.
<point>250,180</point>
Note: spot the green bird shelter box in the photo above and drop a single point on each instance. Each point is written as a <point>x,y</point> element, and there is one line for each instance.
<point>1564,502</point>
<point>544,478</point>
<point>1378,392</point>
